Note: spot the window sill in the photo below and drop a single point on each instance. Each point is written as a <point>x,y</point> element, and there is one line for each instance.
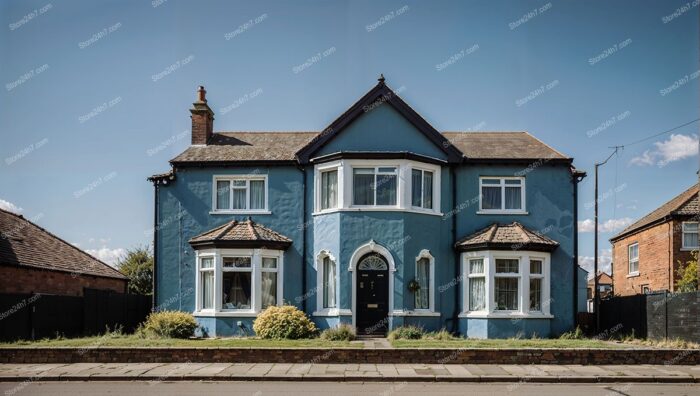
<point>510,315</point>
<point>257,212</point>
<point>689,249</point>
<point>502,212</point>
<point>633,275</point>
<point>225,314</point>
<point>378,209</point>
<point>333,312</point>
<point>423,313</point>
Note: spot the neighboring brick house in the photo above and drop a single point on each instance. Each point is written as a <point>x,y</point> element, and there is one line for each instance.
<point>32,260</point>
<point>605,285</point>
<point>646,254</point>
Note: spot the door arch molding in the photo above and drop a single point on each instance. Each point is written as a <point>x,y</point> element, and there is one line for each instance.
<point>360,252</point>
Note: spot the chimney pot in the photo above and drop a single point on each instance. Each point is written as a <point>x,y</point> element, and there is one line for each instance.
<point>201,94</point>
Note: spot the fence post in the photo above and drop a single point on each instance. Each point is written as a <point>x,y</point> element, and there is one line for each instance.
<point>665,314</point>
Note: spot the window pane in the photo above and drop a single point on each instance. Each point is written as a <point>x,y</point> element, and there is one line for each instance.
<point>239,198</point>
<point>690,227</point>
<point>513,181</point>
<point>477,294</point>
<point>386,189</point>
<point>257,194</point>
<point>416,188</point>
<point>491,198</point>
<point>507,266</point>
<point>236,290</point>
<point>690,240</point>
<point>223,194</point>
<point>237,262</point>
<point>239,183</point>
<point>269,262</point>
<point>633,252</point>
<point>513,198</point>
<point>269,289</point>
<point>363,186</point>
<point>207,289</point>
<point>387,170</point>
<point>428,190</point>
<point>422,295</point>
<point>506,293</point>
<point>476,266</point>
<point>329,281</point>
<point>207,263</point>
<point>535,294</point>
<point>329,189</point>
<point>491,181</point>
<point>535,266</point>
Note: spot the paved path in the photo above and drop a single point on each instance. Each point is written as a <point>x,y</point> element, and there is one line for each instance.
<point>346,372</point>
<point>376,343</point>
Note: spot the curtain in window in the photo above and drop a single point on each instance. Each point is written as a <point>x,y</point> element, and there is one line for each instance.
<point>535,294</point>
<point>223,194</point>
<point>363,186</point>
<point>506,293</point>
<point>329,189</point>
<point>386,189</point>
<point>239,198</point>
<point>416,188</point>
<point>513,198</point>
<point>477,294</point>
<point>257,194</point>
<point>476,266</point>
<point>207,289</point>
<point>329,279</point>
<point>268,286</point>
<point>690,235</point>
<point>428,190</point>
<point>491,197</point>
<point>236,290</point>
<point>422,296</point>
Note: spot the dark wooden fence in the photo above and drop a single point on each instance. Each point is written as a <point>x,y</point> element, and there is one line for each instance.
<point>36,316</point>
<point>654,316</point>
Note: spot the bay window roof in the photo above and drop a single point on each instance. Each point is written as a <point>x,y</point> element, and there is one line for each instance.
<point>241,234</point>
<point>512,236</point>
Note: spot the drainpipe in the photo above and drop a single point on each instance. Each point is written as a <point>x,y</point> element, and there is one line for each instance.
<point>303,237</point>
<point>455,313</point>
<point>577,177</point>
<point>155,246</point>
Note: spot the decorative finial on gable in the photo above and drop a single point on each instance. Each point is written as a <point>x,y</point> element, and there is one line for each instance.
<point>381,78</point>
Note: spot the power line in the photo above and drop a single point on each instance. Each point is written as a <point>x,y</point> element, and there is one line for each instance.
<point>659,134</point>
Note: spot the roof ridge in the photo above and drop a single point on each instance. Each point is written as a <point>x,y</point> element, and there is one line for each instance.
<point>251,226</point>
<point>226,228</point>
<point>492,231</point>
<point>523,233</point>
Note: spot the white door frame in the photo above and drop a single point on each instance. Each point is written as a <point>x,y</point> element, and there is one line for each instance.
<point>372,247</point>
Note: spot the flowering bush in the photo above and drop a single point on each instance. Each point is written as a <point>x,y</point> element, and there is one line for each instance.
<point>285,322</point>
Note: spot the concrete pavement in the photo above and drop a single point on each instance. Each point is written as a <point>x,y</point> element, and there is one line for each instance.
<point>156,372</point>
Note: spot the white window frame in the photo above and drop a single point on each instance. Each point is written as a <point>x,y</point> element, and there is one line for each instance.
<point>237,269</point>
<point>508,275</point>
<point>630,261</point>
<point>425,254</point>
<point>320,189</point>
<point>200,280</point>
<point>536,276</point>
<point>422,187</point>
<point>471,275</point>
<point>256,290</point>
<point>523,311</point>
<point>502,185</point>
<point>376,173</point>
<point>318,266</point>
<point>247,178</point>
<point>683,226</point>
<point>403,199</point>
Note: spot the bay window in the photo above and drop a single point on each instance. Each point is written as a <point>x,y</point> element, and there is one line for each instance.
<point>329,189</point>
<point>268,281</point>
<point>240,193</point>
<point>505,284</point>
<point>690,235</point>
<point>374,186</point>
<point>421,188</point>
<point>206,269</point>
<point>502,195</point>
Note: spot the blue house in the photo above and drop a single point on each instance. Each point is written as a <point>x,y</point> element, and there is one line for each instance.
<point>378,221</point>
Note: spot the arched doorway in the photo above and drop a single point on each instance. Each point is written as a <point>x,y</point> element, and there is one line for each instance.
<point>372,290</point>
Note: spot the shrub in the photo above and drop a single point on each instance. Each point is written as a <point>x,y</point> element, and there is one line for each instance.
<point>407,333</point>
<point>168,324</point>
<point>572,335</point>
<point>285,322</point>
<point>442,335</point>
<point>344,332</point>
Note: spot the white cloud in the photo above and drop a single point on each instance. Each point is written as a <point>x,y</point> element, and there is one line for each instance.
<point>676,148</point>
<point>611,225</point>
<point>604,262</point>
<point>10,207</point>
<point>109,256</point>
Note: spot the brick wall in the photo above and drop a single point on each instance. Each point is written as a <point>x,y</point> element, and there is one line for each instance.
<point>28,280</point>
<point>678,253</point>
<point>654,261</point>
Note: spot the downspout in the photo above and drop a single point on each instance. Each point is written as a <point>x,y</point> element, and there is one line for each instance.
<point>155,245</point>
<point>303,236</point>
<point>575,258</point>
<point>455,313</point>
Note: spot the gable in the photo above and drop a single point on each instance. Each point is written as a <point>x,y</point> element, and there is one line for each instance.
<point>380,122</point>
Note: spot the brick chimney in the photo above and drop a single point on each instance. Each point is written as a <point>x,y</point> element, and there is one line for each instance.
<point>202,119</point>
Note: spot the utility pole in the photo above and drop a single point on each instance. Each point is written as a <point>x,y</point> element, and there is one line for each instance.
<point>596,289</point>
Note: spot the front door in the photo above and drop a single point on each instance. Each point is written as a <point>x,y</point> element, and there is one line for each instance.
<point>372,295</point>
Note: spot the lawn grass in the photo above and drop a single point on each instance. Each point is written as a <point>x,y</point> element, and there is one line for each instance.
<point>136,342</point>
<point>462,343</point>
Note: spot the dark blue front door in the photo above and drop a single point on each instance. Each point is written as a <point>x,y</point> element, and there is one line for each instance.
<point>372,295</point>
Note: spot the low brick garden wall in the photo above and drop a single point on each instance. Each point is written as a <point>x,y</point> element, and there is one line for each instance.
<point>320,356</point>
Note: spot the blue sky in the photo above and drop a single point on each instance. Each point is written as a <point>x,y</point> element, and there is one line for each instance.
<point>95,94</point>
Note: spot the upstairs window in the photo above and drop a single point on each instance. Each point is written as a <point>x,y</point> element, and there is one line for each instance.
<point>240,193</point>
<point>374,186</point>
<point>502,194</point>
<point>422,189</point>
<point>633,257</point>
<point>329,189</point>
<point>690,235</point>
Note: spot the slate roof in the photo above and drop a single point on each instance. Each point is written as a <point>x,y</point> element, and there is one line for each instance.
<point>686,203</point>
<point>512,236</point>
<point>24,244</point>
<point>241,234</point>
<point>283,146</point>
